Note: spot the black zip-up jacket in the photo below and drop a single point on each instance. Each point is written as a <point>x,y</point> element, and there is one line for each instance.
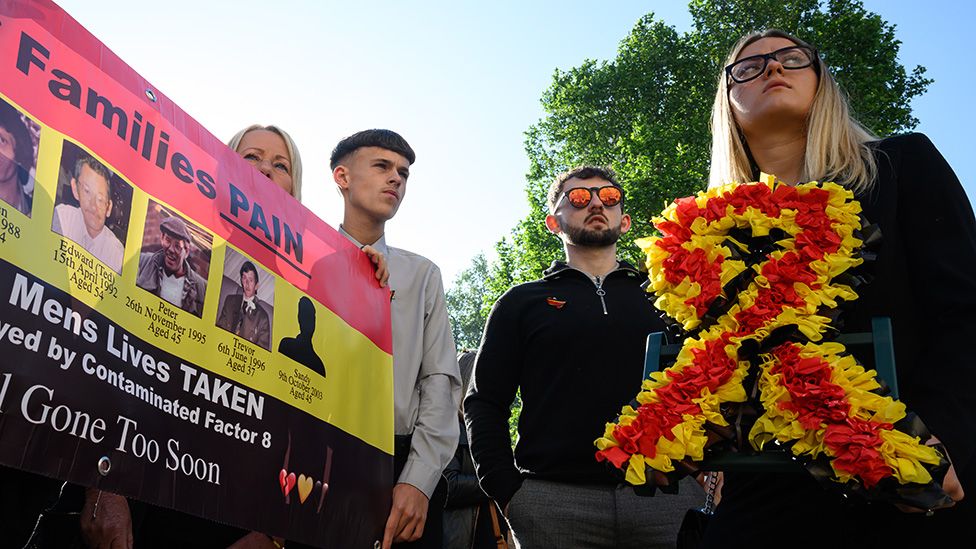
<point>576,355</point>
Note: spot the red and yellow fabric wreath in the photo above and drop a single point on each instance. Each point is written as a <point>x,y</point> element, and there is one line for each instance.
<point>816,399</point>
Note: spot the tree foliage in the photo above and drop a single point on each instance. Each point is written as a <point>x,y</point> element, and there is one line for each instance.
<point>466,304</point>
<point>646,113</point>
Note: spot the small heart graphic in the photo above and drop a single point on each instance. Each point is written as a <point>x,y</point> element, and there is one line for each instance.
<point>287,481</point>
<point>304,487</point>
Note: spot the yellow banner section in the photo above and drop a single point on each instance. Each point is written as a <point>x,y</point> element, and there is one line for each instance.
<point>296,350</point>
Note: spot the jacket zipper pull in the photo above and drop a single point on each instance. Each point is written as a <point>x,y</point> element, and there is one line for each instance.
<point>601,292</point>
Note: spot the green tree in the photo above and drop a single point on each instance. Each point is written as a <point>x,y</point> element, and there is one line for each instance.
<point>466,304</point>
<point>646,113</point>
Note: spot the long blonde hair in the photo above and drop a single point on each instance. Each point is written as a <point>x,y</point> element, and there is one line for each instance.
<point>296,159</point>
<point>836,148</point>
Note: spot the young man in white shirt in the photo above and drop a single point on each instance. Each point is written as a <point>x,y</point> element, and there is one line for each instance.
<point>371,169</point>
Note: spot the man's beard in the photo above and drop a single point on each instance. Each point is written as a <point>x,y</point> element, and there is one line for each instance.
<point>588,238</point>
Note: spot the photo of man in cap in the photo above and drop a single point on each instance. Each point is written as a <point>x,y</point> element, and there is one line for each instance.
<point>168,272</point>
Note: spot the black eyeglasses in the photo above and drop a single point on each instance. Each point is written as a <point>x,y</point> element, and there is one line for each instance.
<point>791,58</point>
<point>580,197</point>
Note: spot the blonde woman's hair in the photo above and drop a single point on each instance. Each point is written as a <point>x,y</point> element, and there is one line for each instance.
<point>837,145</point>
<point>296,159</point>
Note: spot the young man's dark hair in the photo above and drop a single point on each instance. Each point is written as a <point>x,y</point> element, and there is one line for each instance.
<point>10,119</point>
<point>384,139</point>
<point>371,169</point>
<point>579,172</point>
<point>248,266</point>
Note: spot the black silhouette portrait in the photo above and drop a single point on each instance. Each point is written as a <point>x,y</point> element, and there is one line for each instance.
<point>299,348</point>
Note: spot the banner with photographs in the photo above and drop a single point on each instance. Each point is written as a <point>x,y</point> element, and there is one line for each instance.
<point>174,327</point>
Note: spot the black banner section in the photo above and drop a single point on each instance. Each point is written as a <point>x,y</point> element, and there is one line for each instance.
<point>77,390</point>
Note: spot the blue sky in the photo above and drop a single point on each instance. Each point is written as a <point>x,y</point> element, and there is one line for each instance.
<point>460,80</point>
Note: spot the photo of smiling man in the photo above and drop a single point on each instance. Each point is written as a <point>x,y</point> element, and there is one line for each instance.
<point>175,259</point>
<point>92,207</point>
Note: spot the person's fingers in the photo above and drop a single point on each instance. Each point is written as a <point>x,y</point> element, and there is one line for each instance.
<point>411,531</point>
<point>410,512</point>
<point>114,540</point>
<point>374,255</point>
<point>950,483</point>
<point>411,524</point>
<point>406,523</point>
<point>952,486</point>
<point>382,274</point>
<point>418,529</point>
<point>390,531</point>
<point>404,536</point>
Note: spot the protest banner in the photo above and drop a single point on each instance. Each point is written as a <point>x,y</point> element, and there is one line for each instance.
<point>133,243</point>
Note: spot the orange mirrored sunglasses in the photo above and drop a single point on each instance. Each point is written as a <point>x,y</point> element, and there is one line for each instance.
<point>580,197</point>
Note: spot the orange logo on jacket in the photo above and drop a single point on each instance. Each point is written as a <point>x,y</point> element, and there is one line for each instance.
<point>555,302</point>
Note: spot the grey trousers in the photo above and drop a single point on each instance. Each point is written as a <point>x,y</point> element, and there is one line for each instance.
<point>554,515</point>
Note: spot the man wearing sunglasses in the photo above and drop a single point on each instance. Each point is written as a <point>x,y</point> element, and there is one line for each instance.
<point>572,344</point>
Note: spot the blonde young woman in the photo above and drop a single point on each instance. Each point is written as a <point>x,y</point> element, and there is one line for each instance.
<point>272,152</point>
<point>779,111</point>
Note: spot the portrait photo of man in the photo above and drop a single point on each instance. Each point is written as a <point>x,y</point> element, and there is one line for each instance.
<point>175,260</point>
<point>85,206</point>
<point>246,293</point>
<point>18,157</point>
